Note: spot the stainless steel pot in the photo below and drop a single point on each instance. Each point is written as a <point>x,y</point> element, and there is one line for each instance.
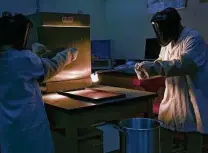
<point>139,135</point>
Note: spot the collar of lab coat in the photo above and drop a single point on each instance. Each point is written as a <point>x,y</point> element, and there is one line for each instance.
<point>182,35</point>
<point>180,39</point>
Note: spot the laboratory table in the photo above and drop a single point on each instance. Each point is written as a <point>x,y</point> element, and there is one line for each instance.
<point>70,114</point>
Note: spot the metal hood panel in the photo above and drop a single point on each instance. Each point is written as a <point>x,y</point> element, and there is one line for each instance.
<point>54,33</point>
<point>69,37</point>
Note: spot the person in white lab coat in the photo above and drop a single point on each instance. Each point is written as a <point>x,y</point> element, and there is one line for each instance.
<point>24,127</point>
<point>183,60</point>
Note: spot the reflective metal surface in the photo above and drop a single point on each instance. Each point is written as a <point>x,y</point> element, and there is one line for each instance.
<point>140,135</point>
<point>69,37</point>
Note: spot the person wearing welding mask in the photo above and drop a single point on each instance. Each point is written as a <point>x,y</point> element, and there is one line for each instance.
<point>183,60</point>
<point>24,127</point>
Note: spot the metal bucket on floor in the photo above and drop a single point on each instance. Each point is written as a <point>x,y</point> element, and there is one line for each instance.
<point>139,135</point>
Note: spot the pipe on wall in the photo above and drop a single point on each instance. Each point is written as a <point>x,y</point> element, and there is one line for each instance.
<point>37,6</point>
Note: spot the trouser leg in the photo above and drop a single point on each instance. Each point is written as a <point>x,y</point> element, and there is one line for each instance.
<point>166,140</point>
<point>195,142</point>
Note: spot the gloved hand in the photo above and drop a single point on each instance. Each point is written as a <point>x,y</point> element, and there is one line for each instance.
<point>145,65</point>
<point>71,53</point>
<point>74,53</point>
<point>140,73</point>
<point>38,49</point>
<point>147,68</point>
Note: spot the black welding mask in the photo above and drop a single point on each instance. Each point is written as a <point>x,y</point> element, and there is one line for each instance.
<point>166,25</point>
<point>23,27</point>
<point>16,30</point>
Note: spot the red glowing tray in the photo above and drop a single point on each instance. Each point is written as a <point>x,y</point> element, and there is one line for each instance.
<point>92,95</point>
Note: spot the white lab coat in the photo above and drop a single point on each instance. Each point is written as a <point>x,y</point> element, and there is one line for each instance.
<point>185,65</point>
<point>24,126</point>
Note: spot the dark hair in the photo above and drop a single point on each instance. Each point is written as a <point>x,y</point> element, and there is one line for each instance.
<point>14,30</point>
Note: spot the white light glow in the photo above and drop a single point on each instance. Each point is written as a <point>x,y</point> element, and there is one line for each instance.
<point>54,97</point>
<point>94,77</point>
<point>153,23</point>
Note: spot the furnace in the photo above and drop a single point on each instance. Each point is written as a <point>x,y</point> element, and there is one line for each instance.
<point>58,31</point>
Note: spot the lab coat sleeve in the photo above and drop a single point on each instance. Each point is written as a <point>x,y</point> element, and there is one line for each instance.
<point>192,58</point>
<point>55,65</point>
